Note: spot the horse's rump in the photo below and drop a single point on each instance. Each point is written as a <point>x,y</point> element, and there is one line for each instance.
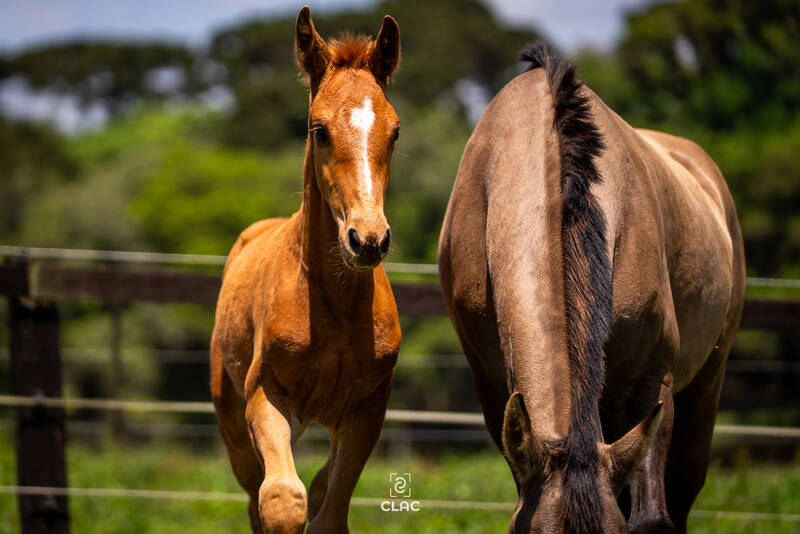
<point>609,263</point>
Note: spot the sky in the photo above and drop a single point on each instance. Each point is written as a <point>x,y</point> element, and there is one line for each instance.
<point>569,24</point>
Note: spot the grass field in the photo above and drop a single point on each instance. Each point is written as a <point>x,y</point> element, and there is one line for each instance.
<point>476,476</point>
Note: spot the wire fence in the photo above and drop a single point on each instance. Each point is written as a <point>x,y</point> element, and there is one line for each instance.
<point>402,437</point>
<point>164,258</point>
<point>431,504</point>
<point>200,356</point>
<point>143,356</point>
<point>396,416</point>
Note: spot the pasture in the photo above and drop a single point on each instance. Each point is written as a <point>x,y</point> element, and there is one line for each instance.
<point>746,487</point>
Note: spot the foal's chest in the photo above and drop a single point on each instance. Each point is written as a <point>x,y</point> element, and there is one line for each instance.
<point>326,363</point>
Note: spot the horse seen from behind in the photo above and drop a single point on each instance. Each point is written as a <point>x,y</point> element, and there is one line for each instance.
<point>595,276</point>
<point>306,325</point>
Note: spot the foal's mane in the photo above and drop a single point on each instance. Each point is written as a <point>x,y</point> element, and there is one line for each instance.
<point>351,51</point>
<point>587,283</point>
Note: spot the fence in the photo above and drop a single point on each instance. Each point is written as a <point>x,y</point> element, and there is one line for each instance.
<point>35,279</point>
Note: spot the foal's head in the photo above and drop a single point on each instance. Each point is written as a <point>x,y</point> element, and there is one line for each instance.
<point>566,486</point>
<point>352,130</point>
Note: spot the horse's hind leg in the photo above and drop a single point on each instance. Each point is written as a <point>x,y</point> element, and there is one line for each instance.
<point>233,428</point>
<point>649,513</point>
<point>695,412</point>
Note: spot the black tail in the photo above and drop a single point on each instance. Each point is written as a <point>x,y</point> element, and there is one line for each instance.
<point>587,279</point>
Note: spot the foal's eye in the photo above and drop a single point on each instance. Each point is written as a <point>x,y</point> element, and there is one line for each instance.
<point>395,135</point>
<point>320,134</point>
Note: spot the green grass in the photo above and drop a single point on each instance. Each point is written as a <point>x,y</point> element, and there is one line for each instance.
<point>474,476</point>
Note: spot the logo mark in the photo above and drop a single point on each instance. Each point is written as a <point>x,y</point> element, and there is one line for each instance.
<point>400,494</point>
<point>400,485</point>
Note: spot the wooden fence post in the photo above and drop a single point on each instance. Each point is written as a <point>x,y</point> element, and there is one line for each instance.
<point>36,370</point>
<point>116,373</point>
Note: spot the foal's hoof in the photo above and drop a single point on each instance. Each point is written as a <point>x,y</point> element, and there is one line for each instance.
<point>282,506</point>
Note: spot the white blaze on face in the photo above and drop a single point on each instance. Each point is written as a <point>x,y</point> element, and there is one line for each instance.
<point>362,119</point>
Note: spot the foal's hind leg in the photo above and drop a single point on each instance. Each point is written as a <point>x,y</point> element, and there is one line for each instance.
<point>319,486</point>
<point>695,412</point>
<point>233,428</point>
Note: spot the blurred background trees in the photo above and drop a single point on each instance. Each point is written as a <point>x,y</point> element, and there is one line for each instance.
<point>194,145</point>
<point>177,149</point>
<point>727,74</point>
<point>162,126</point>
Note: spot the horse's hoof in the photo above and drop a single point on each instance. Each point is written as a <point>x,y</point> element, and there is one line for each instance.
<point>654,526</point>
<point>316,527</point>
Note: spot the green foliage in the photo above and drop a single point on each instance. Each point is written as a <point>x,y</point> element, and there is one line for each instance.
<point>763,173</point>
<point>92,210</point>
<point>423,168</point>
<point>723,64</point>
<point>34,158</point>
<point>153,182</point>
<point>724,74</point>
<point>157,181</point>
<point>199,198</point>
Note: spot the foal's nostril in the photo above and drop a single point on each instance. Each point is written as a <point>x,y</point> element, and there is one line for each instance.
<point>354,241</point>
<point>385,242</point>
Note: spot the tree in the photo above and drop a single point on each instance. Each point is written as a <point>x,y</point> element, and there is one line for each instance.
<point>34,159</point>
<point>116,74</point>
<point>725,74</point>
<point>723,63</point>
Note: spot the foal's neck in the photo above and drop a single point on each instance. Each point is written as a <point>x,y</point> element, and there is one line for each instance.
<point>321,256</point>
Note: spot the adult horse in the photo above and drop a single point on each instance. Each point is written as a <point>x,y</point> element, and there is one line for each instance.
<point>595,276</point>
<point>306,324</point>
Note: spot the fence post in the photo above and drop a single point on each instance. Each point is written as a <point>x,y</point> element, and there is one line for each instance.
<point>116,374</point>
<point>36,370</point>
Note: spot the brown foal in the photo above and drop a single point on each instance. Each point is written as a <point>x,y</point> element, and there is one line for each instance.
<point>306,324</point>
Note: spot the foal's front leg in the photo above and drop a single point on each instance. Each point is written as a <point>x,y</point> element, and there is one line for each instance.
<point>352,444</point>
<point>282,496</point>
<point>648,497</point>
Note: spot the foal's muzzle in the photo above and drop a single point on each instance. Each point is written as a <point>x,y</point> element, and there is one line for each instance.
<point>366,252</point>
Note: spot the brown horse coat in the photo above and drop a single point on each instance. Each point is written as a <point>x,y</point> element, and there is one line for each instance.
<point>306,324</point>
<point>591,270</point>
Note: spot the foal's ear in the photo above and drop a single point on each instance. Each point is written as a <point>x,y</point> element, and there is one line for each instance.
<point>521,447</point>
<point>386,54</point>
<point>312,52</point>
